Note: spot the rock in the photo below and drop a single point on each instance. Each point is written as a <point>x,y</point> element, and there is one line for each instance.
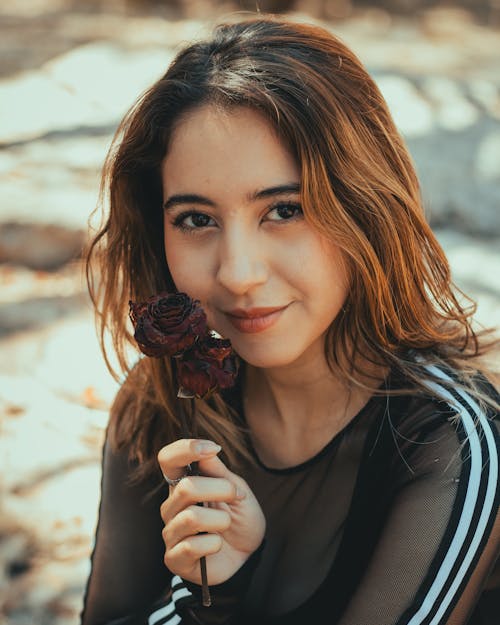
<point>412,114</point>
<point>15,553</point>
<point>32,105</point>
<point>68,504</point>
<point>51,593</point>
<point>42,247</point>
<point>455,149</point>
<point>43,434</point>
<point>468,256</point>
<point>30,301</point>
<point>90,86</point>
<point>452,110</point>
<point>51,469</point>
<point>486,94</point>
<point>20,284</point>
<point>53,181</point>
<point>108,75</point>
<point>38,312</point>
<point>487,165</point>
<point>83,377</point>
<point>457,171</point>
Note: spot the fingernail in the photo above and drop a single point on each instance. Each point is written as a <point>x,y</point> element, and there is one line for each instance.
<point>207,447</point>
<point>240,494</point>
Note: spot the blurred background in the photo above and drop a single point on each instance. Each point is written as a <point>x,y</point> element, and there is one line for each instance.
<point>69,69</point>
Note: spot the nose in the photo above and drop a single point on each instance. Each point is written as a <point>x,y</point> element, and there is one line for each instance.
<point>242,263</point>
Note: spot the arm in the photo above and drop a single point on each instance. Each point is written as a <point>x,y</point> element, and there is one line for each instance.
<point>127,572</point>
<point>129,583</point>
<point>441,536</point>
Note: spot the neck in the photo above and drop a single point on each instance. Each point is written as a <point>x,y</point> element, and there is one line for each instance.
<point>302,396</point>
<point>295,410</point>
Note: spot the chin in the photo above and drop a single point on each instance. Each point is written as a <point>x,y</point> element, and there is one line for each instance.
<point>266,358</point>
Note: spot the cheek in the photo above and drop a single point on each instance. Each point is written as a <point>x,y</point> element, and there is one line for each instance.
<point>178,262</point>
<point>174,261</point>
<point>329,269</point>
<point>189,268</point>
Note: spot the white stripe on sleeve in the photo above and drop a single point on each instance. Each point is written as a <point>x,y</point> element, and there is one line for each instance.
<point>470,502</point>
<point>168,611</point>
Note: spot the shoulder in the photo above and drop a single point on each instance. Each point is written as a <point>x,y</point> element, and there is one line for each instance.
<point>447,432</point>
<point>470,401</point>
<point>472,404</point>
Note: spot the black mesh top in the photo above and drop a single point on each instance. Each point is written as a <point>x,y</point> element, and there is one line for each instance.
<point>393,522</point>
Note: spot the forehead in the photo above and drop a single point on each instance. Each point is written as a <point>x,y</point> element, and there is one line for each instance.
<point>238,146</point>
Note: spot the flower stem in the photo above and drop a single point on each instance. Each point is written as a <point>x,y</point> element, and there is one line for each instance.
<point>192,469</point>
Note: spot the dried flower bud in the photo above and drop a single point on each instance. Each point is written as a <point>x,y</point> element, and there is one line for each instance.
<point>208,366</point>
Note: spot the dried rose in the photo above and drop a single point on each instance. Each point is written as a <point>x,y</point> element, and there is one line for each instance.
<point>167,324</point>
<point>208,366</point>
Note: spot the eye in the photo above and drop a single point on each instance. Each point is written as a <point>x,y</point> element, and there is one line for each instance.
<point>192,221</point>
<point>284,211</point>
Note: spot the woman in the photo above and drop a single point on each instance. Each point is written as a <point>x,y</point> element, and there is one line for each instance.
<point>351,474</point>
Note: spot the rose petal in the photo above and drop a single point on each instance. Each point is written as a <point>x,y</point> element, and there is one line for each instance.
<point>167,324</point>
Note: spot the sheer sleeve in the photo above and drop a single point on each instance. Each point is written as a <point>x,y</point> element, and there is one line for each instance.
<point>441,536</point>
<point>129,583</point>
<point>127,571</point>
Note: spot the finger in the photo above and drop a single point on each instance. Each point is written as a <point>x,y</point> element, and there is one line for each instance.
<point>193,520</point>
<point>174,458</point>
<point>195,489</point>
<point>185,555</point>
<point>214,467</point>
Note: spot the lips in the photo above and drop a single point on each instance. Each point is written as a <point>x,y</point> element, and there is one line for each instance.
<point>252,313</point>
<point>252,320</point>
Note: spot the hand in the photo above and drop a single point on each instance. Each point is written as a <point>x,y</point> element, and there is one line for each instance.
<point>231,516</point>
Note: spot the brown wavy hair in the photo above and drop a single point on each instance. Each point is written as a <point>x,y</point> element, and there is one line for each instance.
<point>358,188</point>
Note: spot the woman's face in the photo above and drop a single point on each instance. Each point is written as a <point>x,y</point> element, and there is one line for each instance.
<point>236,238</point>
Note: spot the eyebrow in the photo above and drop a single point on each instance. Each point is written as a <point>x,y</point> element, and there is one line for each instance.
<point>191,198</point>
